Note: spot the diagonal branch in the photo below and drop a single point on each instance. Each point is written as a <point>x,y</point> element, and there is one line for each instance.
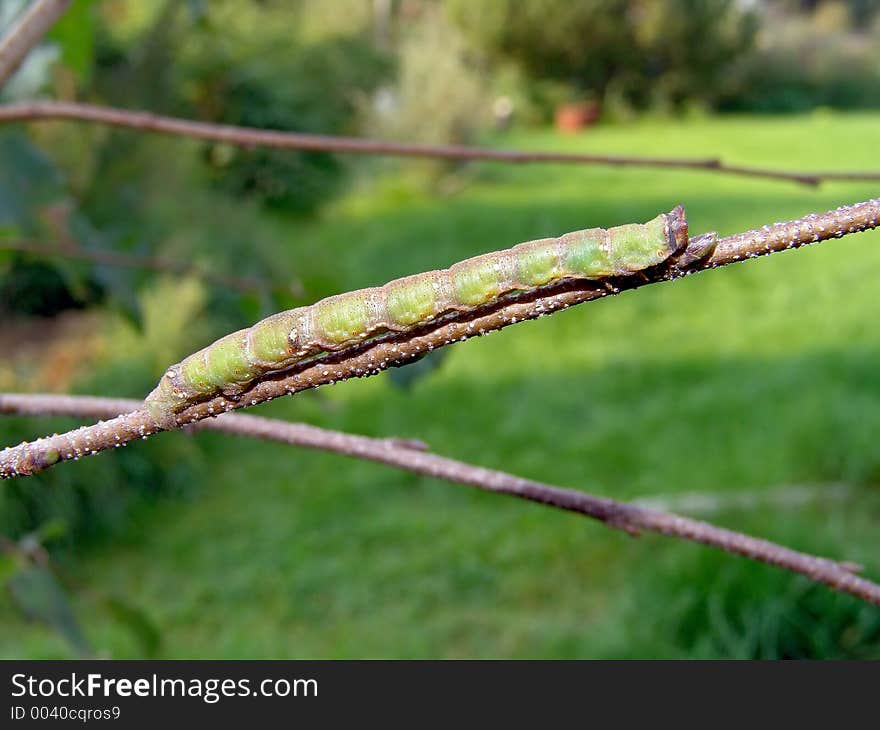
<point>394,349</point>
<point>26,32</point>
<point>252,137</point>
<point>412,457</point>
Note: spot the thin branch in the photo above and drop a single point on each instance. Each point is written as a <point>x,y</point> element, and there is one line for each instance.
<point>251,137</point>
<point>134,261</point>
<point>394,349</point>
<point>26,32</point>
<point>412,457</point>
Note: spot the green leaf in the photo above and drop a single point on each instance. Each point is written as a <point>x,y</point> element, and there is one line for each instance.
<point>42,598</point>
<point>137,622</point>
<point>75,34</point>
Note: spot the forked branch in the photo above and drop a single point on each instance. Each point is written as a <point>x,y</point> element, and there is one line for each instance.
<point>412,457</point>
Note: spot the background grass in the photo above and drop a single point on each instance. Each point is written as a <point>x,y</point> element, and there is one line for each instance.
<point>747,380</point>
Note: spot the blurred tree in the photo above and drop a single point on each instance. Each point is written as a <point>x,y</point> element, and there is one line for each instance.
<point>316,88</point>
<point>675,48</point>
<point>806,60</point>
<point>860,12</point>
<point>440,94</point>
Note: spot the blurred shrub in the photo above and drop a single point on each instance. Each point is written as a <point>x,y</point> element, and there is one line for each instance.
<point>97,190</point>
<point>32,200</point>
<point>804,62</point>
<point>666,51</point>
<point>38,288</point>
<point>317,88</point>
<point>98,496</point>
<point>440,94</point>
<point>709,605</point>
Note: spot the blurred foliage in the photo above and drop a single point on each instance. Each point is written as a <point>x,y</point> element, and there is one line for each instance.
<point>779,56</point>
<point>738,609</point>
<point>96,189</point>
<point>33,206</point>
<point>429,71</point>
<point>807,61</point>
<point>37,287</point>
<point>664,51</point>
<point>419,70</point>
<point>74,32</point>
<point>315,88</point>
<point>43,593</point>
<point>440,94</point>
<point>98,497</point>
<point>41,597</point>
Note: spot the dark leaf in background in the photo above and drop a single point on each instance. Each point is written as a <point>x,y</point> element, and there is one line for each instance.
<point>137,623</point>
<point>34,205</point>
<point>42,598</point>
<point>35,287</point>
<point>28,181</point>
<point>118,283</point>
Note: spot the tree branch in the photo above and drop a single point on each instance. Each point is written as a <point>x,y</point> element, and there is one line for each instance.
<point>251,137</point>
<point>411,456</point>
<point>394,349</point>
<point>26,32</point>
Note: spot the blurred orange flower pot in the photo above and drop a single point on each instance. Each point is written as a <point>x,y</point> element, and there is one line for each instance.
<point>571,118</point>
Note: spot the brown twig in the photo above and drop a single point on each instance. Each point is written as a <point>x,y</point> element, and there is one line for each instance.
<point>26,32</point>
<point>394,349</point>
<point>125,260</point>
<point>250,137</point>
<point>630,518</point>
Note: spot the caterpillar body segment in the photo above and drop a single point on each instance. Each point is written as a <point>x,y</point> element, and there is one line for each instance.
<point>281,341</point>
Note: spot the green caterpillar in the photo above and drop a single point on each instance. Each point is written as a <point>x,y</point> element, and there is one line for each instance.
<point>278,342</point>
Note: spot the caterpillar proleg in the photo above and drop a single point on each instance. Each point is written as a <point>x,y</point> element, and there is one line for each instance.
<point>285,339</point>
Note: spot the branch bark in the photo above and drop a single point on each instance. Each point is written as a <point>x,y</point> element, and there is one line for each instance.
<point>411,456</point>
<point>26,32</point>
<point>250,137</point>
<point>394,349</point>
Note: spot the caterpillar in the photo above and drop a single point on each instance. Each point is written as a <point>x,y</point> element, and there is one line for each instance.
<point>285,339</point>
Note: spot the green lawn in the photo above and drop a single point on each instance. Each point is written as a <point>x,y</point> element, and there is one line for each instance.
<point>754,379</point>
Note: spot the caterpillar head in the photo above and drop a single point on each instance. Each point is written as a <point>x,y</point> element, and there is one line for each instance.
<point>166,399</point>
<point>676,230</point>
